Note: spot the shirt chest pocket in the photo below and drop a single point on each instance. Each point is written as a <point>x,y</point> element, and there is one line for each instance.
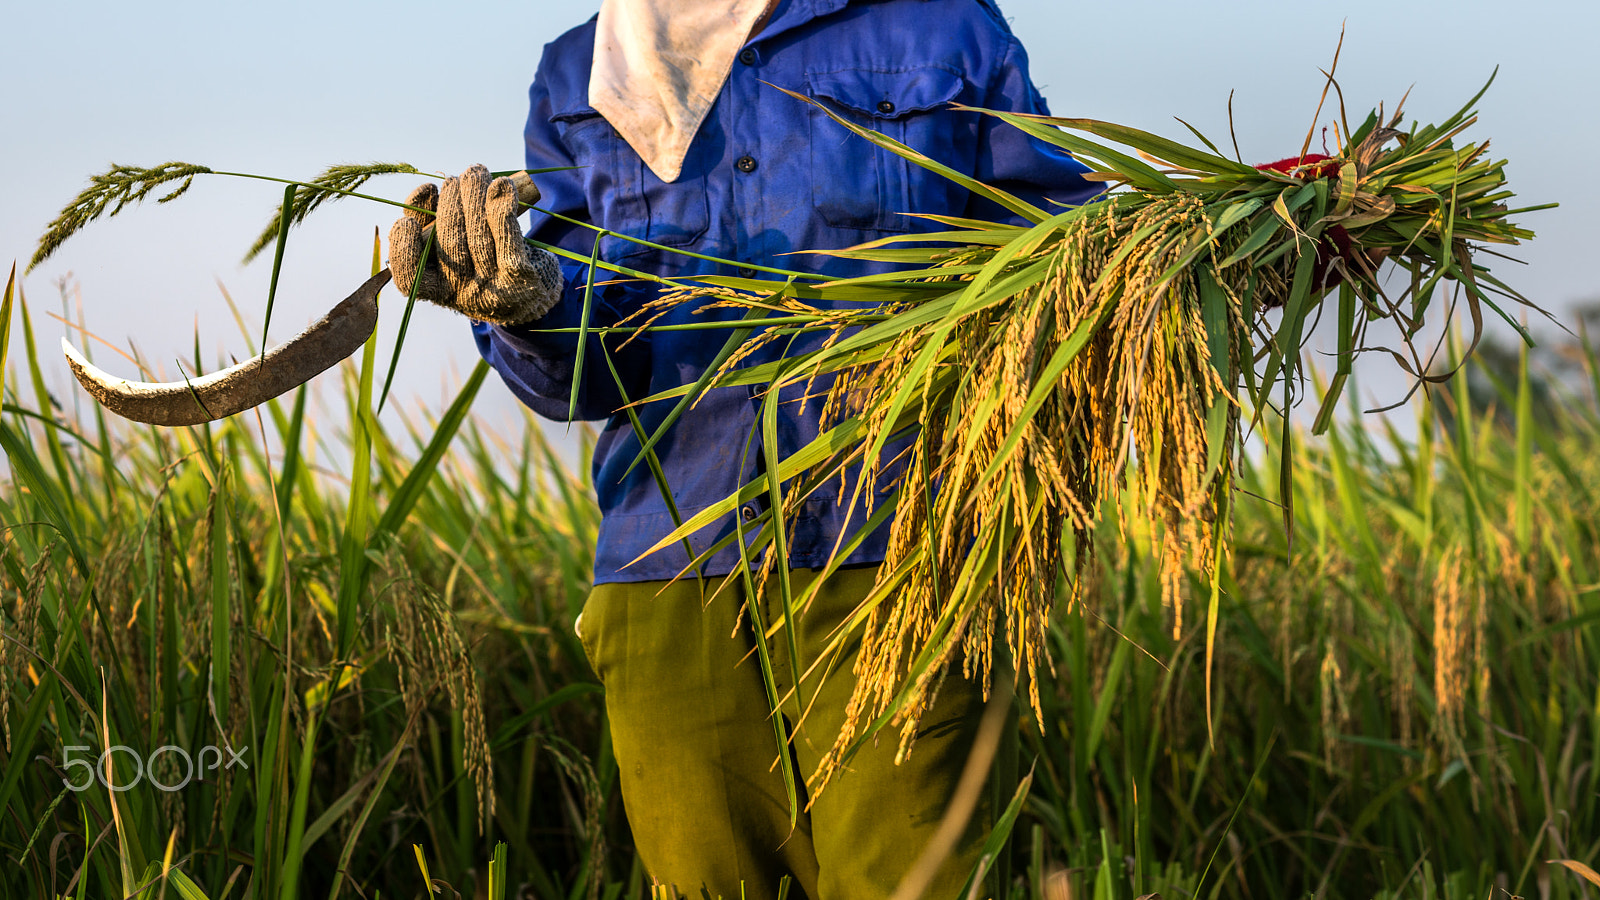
<point>624,196</point>
<point>855,184</point>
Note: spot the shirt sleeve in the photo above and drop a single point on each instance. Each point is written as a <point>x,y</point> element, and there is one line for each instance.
<point>1012,160</point>
<point>538,361</point>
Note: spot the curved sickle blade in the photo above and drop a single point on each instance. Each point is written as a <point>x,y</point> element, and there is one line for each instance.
<point>255,381</point>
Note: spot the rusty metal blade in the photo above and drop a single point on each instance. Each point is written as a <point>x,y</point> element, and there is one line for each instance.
<point>255,381</point>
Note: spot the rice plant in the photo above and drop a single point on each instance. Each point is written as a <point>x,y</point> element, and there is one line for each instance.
<point>1402,699</point>
<point>281,625</point>
<point>1108,355</point>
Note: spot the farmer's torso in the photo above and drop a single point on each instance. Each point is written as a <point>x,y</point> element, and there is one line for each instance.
<point>766,175</point>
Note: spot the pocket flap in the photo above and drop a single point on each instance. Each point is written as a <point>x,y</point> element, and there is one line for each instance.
<point>574,113</point>
<point>887,95</point>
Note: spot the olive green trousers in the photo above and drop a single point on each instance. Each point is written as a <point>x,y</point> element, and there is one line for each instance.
<point>698,755</point>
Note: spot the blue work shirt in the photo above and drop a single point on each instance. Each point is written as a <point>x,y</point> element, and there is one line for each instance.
<point>765,176</point>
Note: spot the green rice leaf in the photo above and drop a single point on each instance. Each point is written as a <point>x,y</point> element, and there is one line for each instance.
<point>1159,147</point>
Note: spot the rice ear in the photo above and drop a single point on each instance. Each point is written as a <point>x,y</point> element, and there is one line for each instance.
<point>1098,363</point>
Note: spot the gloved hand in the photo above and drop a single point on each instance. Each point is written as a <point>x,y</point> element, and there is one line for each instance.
<point>479,265</point>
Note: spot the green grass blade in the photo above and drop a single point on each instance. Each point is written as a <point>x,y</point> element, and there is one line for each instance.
<point>497,873</point>
<point>736,339</point>
<point>1155,145</point>
<point>26,467</point>
<point>46,407</point>
<point>1141,175</point>
<point>221,607</point>
<point>277,258</point>
<point>780,537</point>
<point>657,473</point>
<point>353,544</point>
<point>405,497</point>
<point>1522,473</point>
<point>371,784</point>
<point>5,325</point>
<point>583,329</point>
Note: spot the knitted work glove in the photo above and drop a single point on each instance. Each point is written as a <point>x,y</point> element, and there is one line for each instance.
<point>479,265</point>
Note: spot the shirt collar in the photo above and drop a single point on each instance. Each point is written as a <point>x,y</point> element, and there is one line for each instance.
<point>659,66</point>
<point>794,13</point>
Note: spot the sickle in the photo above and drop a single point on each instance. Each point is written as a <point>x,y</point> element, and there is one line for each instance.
<point>255,381</point>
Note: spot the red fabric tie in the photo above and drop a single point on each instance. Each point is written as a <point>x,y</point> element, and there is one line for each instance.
<point>1335,240</point>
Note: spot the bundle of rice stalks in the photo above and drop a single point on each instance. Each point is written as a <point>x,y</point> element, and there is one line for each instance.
<point>1107,354</point>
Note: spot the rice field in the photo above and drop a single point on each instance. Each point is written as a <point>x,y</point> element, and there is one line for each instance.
<point>378,654</point>
<point>302,653</point>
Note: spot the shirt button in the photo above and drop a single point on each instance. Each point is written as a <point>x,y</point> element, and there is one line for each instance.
<point>746,272</point>
<point>747,56</point>
<point>748,512</point>
<point>885,107</point>
<point>745,164</point>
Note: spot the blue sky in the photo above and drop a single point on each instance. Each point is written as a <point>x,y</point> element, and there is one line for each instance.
<point>288,88</point>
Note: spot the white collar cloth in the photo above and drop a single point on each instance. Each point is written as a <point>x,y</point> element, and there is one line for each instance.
<point>659,65</point>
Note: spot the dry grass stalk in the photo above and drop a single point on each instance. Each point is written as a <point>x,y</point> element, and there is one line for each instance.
<point>1452,649</point>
